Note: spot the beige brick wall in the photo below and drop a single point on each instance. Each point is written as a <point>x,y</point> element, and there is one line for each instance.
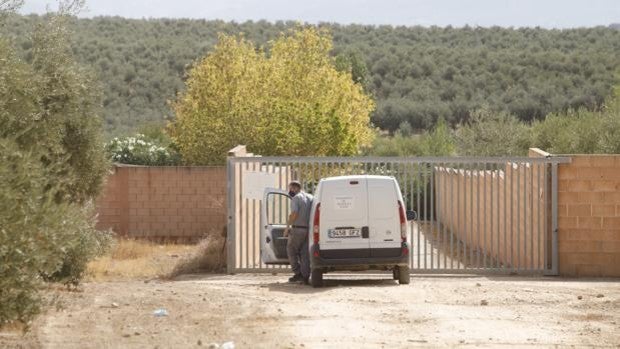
<point>164,203</point>
<point>589,216</point>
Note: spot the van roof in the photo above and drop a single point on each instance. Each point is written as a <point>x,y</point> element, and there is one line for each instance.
<point>354,177</point>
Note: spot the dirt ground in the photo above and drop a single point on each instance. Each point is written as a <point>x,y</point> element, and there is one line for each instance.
<point>352,311</point>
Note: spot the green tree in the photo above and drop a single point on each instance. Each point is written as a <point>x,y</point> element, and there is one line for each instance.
<point>352,62</point>
<point>581,131</point>
<point>290,102</point>
<point>52,103</point>
<point>490,133</point>
<point>51,166</point>
<point>438,142</point>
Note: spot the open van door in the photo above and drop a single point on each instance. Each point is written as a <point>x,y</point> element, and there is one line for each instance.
<point>275,209</point>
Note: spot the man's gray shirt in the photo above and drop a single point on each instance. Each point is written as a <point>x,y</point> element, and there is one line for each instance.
<point>302,204</point>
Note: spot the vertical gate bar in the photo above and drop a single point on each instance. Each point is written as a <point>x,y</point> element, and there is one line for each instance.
<point>265,205</point>
<point>525,201</point>
<point>538,220</point>
<point>532,216</point>
<point>405,188</point>
<point>505,201</point>
<point>497,205</point>
<point>432,225</point>
<point>547,233</point>
<point>288,175</point>
<point>466,169</point>
<point>519,190</point>
<point>469,203</point>
<point>426,223</point>
<point>554,218</point>
<point>241,214</point>
<point>257,212</point>
<point>444,248</point>
<point>451,221</point>
<point>458,230</point>
<point>439,191</point>
<point>467,172</point>
<point>230,230</point>
<point>478,223</point>
<point>512,219</point>
<point>484,230</point>
<point>492,214</point>
<point>239,199</point>
<point>412,198</point>
<point>418,207</point>
<point>253,249</point>
<point>403,185</point>
<point>247,224</point>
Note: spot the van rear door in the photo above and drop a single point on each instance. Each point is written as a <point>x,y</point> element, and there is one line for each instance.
<point>383,217</point>
<point>344,218</point>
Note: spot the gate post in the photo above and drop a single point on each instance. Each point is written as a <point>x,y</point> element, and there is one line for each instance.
<point>231,185</point>
<point>230,229</point>
<point>554,219</point>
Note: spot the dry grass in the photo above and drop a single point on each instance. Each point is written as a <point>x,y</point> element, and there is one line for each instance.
<point>138,259</point>
<point>209,256</point>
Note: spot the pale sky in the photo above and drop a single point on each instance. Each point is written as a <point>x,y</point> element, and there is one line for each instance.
<point>506,13</point>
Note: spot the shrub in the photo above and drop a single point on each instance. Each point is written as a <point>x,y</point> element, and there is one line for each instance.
<point>139,150</point>
<point>84,244</point>
<point>490,133</point>
<point>51,166</point>
<point>209,257</point>
<point>581,131</point>
<point>438,142</point>
<point>35,232</point>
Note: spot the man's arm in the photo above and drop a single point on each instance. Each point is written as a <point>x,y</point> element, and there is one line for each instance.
<point>293,216</point>
<point>291,219</point>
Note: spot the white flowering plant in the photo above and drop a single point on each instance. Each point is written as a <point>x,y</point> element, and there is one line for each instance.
<point>139,150</point>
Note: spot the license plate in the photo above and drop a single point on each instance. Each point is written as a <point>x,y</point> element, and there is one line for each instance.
<point>344,233</point>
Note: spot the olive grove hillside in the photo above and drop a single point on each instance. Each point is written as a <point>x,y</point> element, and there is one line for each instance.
<point>415,74</point>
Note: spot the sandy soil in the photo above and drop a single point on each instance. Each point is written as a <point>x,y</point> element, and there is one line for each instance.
<point>362,311</point>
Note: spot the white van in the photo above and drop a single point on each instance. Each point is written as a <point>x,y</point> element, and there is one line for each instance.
<point>356,223</point>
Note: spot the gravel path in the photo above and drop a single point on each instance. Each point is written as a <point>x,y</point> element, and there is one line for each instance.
<point>360,310</point>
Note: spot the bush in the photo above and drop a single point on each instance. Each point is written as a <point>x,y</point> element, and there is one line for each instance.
<point>397,145</point>
<point>139,150</point>
<point>209,257</point>
<point>581,131</point>
<point>36,232</point>
<point>490,133</point>
<point>85,243</point>
<point>51,166</point>
<point>438,142</point>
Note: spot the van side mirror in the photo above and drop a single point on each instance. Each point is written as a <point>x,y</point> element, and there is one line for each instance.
<point>412,215</point>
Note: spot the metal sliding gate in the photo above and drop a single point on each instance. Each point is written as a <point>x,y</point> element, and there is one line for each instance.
<point>475,215</point>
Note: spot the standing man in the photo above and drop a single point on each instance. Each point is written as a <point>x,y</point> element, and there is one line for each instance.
<point>297,229</point>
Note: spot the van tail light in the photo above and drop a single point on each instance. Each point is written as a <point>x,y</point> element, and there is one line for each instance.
<point>403,221</point>
<point>316,224</point>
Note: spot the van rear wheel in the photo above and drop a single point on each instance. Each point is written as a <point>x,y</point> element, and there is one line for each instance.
<point>316,278</point>
<point>403,275</point>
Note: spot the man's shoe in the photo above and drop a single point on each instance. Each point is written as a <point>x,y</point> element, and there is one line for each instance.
<point>296,278</point>
<point>306,281</point>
